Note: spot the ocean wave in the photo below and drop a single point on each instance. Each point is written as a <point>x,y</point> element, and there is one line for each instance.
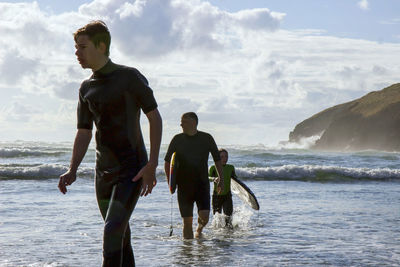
<point>318,173</point>
<point>49,171</point>
<point>304,144</point>
<point>27,152</point>
<point>39,172</point>
<point>285,172</point>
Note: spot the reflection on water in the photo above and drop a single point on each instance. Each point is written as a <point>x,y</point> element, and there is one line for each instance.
<point>219,244</point>
<point>192,252</point>
<point>303,224</point>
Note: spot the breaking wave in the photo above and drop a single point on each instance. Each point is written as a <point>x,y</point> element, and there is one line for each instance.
<point>318,173</point>
<point>38,172</point>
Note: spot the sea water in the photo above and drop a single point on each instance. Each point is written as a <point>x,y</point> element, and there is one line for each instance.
<point>317,209</point>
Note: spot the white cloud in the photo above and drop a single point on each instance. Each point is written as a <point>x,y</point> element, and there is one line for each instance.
<point>67,90</point>
<point>240,71</point>
<point>379,70</point>
<point>30,30</point>
<point>175,107</point>
<point>158,27</point>
<point>363,4</point>
<point>258,19</point>
<point>13,67</point>
<point>18,111</point>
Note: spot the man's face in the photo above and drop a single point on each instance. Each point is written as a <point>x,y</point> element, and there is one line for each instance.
<point>87,54</point>
<point>224,157</point>
<point>188,125</point>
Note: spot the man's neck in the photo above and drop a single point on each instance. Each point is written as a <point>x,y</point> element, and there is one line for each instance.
<point>191,133</point>
<point>101,63</point>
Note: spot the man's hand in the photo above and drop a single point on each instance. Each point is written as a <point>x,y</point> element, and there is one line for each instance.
<point>65,180</point>
<point>148,173</point>
<point>218,166</point>
<point>220,187</point>
<point>81,143</point>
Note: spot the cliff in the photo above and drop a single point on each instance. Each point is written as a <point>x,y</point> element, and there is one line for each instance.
<point>370,122</point>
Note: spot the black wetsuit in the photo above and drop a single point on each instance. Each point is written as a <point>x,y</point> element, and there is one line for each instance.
<point>192,176</point>
<point>112,98</point>
<point>223,200</point>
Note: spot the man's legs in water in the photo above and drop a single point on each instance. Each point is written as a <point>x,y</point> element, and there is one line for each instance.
<point>186,198</point>
<point>128,259</point>
<point>116,206</point>
<point>228,210</point>
<point>202,221</point>
<point>187,227</point>
<point>186,202</point>
<point>217,202</point>
<point>188,224</point>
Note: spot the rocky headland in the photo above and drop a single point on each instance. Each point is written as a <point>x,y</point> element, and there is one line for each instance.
<point>370,122</point>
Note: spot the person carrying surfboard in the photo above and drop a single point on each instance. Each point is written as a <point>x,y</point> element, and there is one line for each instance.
<point>222,201</point>
<point>113,98</point>
<point>192,148</point>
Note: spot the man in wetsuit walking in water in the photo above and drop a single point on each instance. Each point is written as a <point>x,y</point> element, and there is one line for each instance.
<point>192,149</point>
<point>112,98</point>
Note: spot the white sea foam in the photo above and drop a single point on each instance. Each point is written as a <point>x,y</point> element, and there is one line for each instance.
<point>24,160</point>
<point>303,143</point>
<point>285,172</point>
<point>40,264</point>
<point>241,218</point>
<point>24,152</point>
<point>43,171</point>
<point>310,171</point>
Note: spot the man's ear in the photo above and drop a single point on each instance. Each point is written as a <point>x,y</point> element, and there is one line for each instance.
<point>102,48</point>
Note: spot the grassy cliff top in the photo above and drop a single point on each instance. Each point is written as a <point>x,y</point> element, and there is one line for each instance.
<point>367,105</point>
<point>374,102</point>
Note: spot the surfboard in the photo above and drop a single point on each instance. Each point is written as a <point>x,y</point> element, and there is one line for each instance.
<point>244,193</point>
<point>173,169</point>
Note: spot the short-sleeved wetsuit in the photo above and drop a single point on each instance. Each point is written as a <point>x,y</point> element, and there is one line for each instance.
<point>192,176</point>
<point>112,98</point>
<point>223,201</point>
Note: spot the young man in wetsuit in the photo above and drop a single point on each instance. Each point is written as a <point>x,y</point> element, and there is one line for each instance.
<point>222,201</point>
<point>192,149</point>
<point>112,98</point>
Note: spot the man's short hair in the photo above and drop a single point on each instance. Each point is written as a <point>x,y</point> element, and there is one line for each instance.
<point>191,115</point>
<point>98,33</point>
<point>223,150</point>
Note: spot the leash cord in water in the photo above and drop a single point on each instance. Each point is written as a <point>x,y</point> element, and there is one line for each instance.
<point>171,228</point>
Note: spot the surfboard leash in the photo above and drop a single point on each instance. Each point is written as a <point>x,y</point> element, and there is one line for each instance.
<point>171,228</point>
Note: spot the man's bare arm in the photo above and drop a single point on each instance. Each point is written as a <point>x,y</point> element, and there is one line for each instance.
<point>148,172</point>
<point>218,167</point>
<point>155,122</point>
<point>81,144</point>
<point>167,166</point>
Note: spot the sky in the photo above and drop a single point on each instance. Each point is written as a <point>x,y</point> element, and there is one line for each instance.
<point>251,70</point>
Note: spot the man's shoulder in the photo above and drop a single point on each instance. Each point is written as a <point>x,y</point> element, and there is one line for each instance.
<point>85,84</point>
<point>132,72</point>
<point>179,136</point>
<point>206,137</point>
<point>204,134</point>
<point>121,67</point>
